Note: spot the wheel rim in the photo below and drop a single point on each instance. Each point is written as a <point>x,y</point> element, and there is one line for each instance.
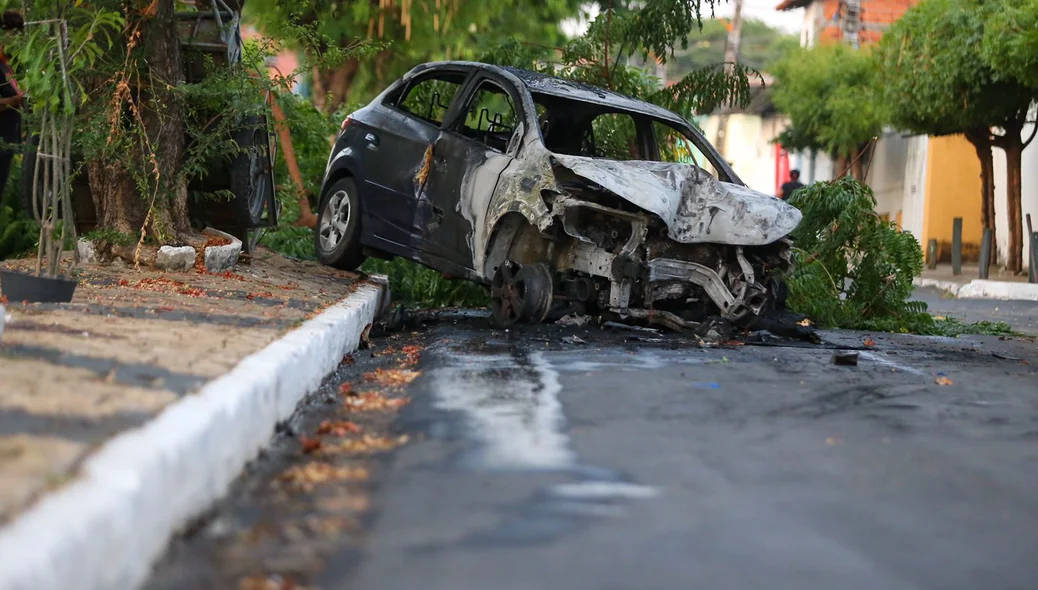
<point>507,294</point>
<point>335,219</point>
<point>521,293</point>
<point>258,172</point>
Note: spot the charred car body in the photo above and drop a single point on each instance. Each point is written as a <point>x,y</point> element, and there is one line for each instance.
<point>561,197</point>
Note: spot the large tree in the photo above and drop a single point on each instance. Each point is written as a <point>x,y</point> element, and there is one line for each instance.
<point>1010,48</point>
<point>830,96</point>
<point>936,81</point>
<point>409,32</point>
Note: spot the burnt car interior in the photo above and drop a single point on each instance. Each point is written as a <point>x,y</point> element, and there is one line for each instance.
<point>579,128</point>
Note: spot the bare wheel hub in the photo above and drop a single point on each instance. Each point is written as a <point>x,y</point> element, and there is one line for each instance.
<point>520,293</point>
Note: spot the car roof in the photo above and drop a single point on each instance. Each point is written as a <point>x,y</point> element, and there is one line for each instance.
<point>538,83</point>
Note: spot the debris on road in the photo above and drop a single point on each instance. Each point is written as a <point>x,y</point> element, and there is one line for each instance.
<point>942,380</point>
<point>846,359</point>
<point>619,326</point>
<point>574,320</point>
<point>574,340</point>
<point>1005,357</point>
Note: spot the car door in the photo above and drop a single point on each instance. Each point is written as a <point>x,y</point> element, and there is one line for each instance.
<point>394,143</point>
<point>468,158</point>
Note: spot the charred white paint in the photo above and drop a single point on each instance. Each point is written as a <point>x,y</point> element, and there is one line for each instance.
<point>696,207</point>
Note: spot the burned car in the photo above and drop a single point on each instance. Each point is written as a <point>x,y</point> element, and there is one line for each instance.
<point>560,196</point>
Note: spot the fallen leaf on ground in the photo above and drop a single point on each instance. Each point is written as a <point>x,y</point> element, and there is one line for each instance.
<point>939,317</point>
<point>392,377</point>
<point>368,444</point>
<point>348,359</point>
<point>869,342</point>
<point>373,401</point>
<point>833,441</point>
<point>733,343</point>
<point>804,322</point>
<point>940,380</point>
<point>413,353</point>
<point>346,389</point>
<point>309,444</point>
<point>338,427</point>
<point>307,477</point>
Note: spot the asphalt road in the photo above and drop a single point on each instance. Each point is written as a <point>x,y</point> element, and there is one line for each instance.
<point>641,461</point>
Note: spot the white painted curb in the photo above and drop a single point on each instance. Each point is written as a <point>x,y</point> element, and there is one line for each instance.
<point>949,286</point>
<point>979,289</point>
<point>106,529</point>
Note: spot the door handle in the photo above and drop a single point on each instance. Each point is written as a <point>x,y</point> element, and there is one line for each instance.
<point>372,140</point>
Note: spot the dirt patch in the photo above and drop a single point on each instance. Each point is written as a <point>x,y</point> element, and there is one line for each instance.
<point>131,342</point>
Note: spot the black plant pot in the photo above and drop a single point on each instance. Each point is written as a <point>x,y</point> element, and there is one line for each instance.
<point>18,286</point>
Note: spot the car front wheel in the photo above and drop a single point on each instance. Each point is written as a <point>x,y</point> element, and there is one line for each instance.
<point>337,238</point>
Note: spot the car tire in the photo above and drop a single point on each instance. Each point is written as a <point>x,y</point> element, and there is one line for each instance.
<point>251,180</point>
<point>337,236</point>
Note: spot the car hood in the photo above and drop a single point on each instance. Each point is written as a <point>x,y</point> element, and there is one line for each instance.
<point>696,207</point>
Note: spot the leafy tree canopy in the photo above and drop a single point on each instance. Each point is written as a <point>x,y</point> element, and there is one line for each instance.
<point>830,95</point>
<point>760,47</point>
<point>1010,44</point>
<point>934,76</point>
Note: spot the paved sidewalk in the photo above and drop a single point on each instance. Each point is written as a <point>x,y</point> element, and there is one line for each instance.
<point>130,343</point>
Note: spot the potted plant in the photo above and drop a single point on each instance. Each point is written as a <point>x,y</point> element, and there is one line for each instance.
<point>48,64</point>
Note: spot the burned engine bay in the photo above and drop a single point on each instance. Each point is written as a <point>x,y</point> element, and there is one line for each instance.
<point>606,247</point>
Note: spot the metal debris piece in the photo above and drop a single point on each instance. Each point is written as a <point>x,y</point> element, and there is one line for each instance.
<point>574,319</point>
<point>574,340</point>
<point>620,326</point>
<point>846,359</point>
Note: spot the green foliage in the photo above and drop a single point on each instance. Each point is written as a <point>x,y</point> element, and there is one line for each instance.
<point>18,231</point>
<point>934,77</point>
<point>760,47</point>
<point>404,34</point>
<point>851,268</point>
<point>1010,45</point>
<point>830,95</point>
<point>602,58</point>
<point>110,236</point>
<point>416,285</point>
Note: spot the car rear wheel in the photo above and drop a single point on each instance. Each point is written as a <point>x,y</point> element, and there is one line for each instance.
<point>337,238</point>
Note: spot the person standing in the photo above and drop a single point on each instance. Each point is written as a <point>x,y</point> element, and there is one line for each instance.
<point>790,187</point>
<point>10,101</point>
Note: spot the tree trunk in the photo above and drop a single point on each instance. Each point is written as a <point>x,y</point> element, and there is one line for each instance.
<point>117,197</point>
<point>1014,149</point>
<point>981,140</point>
<point>163,116</point>
<point>331,88</point>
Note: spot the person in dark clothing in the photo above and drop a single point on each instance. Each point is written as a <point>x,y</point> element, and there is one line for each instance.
<point>791,186</point>
<point>10,101</point>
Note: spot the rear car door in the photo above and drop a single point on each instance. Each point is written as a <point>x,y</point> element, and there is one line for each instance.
<point>468,158</point>
<point>394,145</point>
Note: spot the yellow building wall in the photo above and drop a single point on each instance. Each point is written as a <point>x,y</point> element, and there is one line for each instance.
<point>952,190</point>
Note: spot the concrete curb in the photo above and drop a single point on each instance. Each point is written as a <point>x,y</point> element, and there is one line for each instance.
<point>107,527</point>
<point>981,289</point>
<point>3,318</point>
<point>948,286</point>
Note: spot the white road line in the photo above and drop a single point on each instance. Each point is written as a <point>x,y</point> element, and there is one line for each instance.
<point>892,364</point>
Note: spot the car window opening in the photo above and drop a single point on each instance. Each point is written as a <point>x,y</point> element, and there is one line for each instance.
<point>430,98</point>
<point>491,117</point>
<point>576,128</point>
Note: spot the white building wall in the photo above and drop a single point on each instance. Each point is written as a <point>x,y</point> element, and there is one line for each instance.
<point>914,198</point>
<point>886,173</point>
<point>1029,197</point>
<point>749,148</point>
